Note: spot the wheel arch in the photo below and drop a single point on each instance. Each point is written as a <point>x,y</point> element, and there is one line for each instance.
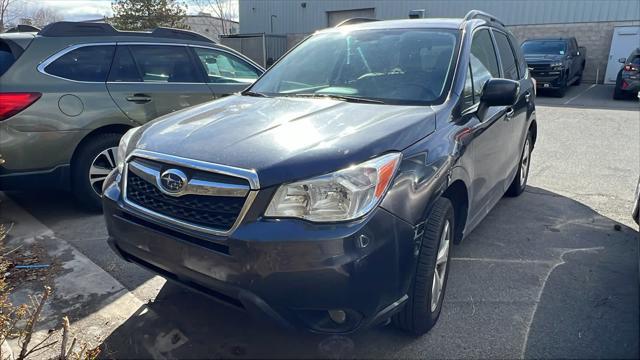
<point>533,128</point>
<point>457,193</point>
<point>108,129</point>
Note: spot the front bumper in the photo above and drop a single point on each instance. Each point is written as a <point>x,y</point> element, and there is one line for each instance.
<point>548,79</point>
<point>287,270</point>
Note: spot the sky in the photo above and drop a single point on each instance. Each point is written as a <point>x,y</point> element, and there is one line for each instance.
<point>78,10</point>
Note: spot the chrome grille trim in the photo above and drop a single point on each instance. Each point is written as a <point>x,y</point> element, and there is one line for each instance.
<point>229,190</point>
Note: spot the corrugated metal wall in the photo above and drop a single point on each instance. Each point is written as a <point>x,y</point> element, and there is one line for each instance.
<point>292,17</point>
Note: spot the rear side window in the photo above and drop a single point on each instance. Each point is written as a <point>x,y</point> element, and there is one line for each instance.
<point>164,63</point>
<point>124,68</point>
<point>508,59</point>
<point>224,68</point>
<point>6,58</point>
<point>88,63</point>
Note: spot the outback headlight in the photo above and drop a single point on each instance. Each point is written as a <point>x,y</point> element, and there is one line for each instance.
<point>342,195</point>
<point>122,147</point>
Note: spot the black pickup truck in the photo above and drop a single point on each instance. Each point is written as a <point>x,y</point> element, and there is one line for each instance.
<point>555,63</point>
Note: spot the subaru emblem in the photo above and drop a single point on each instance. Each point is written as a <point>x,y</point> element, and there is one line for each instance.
<point>173,181</point>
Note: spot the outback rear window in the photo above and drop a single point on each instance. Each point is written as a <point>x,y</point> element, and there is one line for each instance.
<point>88,63</point>
<point>6,58</point>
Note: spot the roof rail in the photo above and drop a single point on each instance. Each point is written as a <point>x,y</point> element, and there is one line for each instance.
<point>477,14</point>
<point>356,20</point>
<point>69,28</point>
<point>23,28</point>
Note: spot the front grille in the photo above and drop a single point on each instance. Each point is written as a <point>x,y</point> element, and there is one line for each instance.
<point>216,212</point>
<point>540,67</point>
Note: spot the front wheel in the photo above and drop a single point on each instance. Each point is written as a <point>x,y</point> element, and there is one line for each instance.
<point>426,293</point>
<point>95,159</point>
<point>522,175</point>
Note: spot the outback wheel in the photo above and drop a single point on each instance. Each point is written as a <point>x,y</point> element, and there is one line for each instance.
<point>427,290</point>
<point>95,159</point>
<point>519,183</point>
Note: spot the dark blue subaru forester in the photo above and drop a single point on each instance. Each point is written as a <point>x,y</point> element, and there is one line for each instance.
<point>328,194</point>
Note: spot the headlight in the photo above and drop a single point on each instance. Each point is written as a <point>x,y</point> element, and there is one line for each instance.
<point>343,195</point>
<point>122,147</point>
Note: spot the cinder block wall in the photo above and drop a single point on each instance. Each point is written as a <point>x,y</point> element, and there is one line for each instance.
<point>596,37</point>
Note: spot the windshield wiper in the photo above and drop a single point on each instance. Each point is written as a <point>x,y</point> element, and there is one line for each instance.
<point>253,93</point>
<point>341,97</point>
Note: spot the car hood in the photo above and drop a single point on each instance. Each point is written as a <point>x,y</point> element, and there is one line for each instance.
<point>542,58</point>
<point>286,139</point>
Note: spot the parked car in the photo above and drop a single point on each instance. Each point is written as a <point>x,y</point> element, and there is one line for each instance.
<point>327,196</point>
<point>71,90</point>
<point>556,63</point>
<point>628,80</point>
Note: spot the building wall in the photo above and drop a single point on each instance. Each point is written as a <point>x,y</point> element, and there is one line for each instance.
<point>306,16</point>
<point>210,26</point>
<point>596,37</point>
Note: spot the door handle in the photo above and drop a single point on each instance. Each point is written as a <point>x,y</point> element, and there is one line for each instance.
<point>527,96</point>
<point>510,113</point>
<point>139,98</point>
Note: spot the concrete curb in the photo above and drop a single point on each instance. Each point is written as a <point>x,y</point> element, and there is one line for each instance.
<point>95,302</point>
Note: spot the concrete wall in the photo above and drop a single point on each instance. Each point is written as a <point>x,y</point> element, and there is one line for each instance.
<point>210,26</point>
<point>305,16</point>
<point>596,37</point>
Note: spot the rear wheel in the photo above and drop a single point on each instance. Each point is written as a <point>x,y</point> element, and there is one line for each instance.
<point>427,289</point>
<point>618,94</point>
<point>519,183</point>
<point>94,160</point>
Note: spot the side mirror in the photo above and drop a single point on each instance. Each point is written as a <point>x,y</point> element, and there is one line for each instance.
<point>499,92</point>
<point>622,60</point>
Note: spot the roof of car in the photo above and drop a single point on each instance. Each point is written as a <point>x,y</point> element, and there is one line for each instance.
<point>402,24</point>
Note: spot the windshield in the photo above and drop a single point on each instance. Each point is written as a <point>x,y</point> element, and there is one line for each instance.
<point>393,66</point>
<point>553,47</point>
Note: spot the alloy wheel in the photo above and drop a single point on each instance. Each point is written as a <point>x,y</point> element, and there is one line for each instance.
<point>441,266</point>
<point>100,167</point>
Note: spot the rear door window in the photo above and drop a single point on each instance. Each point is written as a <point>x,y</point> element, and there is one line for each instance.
<point>165,63</point>
<point>224,68</point>
<point>87,63</point>
<point>6,58</point>
<point>124,69</point>
<point>508,59</point>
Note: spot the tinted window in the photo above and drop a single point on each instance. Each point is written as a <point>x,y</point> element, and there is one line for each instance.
<point>124,68</point>
<point>484,64</point>
<point>88,63</point>
<point>544,47</point>
<point>482,49</point>
<point>398,66</point>
<point>224,68</point>
<point>158,63</point>
<point>509,64</point>
<point>6,58</point>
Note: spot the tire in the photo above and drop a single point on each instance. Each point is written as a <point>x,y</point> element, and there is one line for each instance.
<point>519,183</point>
<point>618,94</point>
<point>420,314</point>
<point>579,79</point>
<point>562,90</point>
<point>99,150</point>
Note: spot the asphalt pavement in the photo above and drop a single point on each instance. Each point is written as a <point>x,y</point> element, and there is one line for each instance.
<point>552,273</point>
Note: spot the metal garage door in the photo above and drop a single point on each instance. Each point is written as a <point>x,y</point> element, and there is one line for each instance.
<point>336,17</point>
<point>625,39</point>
